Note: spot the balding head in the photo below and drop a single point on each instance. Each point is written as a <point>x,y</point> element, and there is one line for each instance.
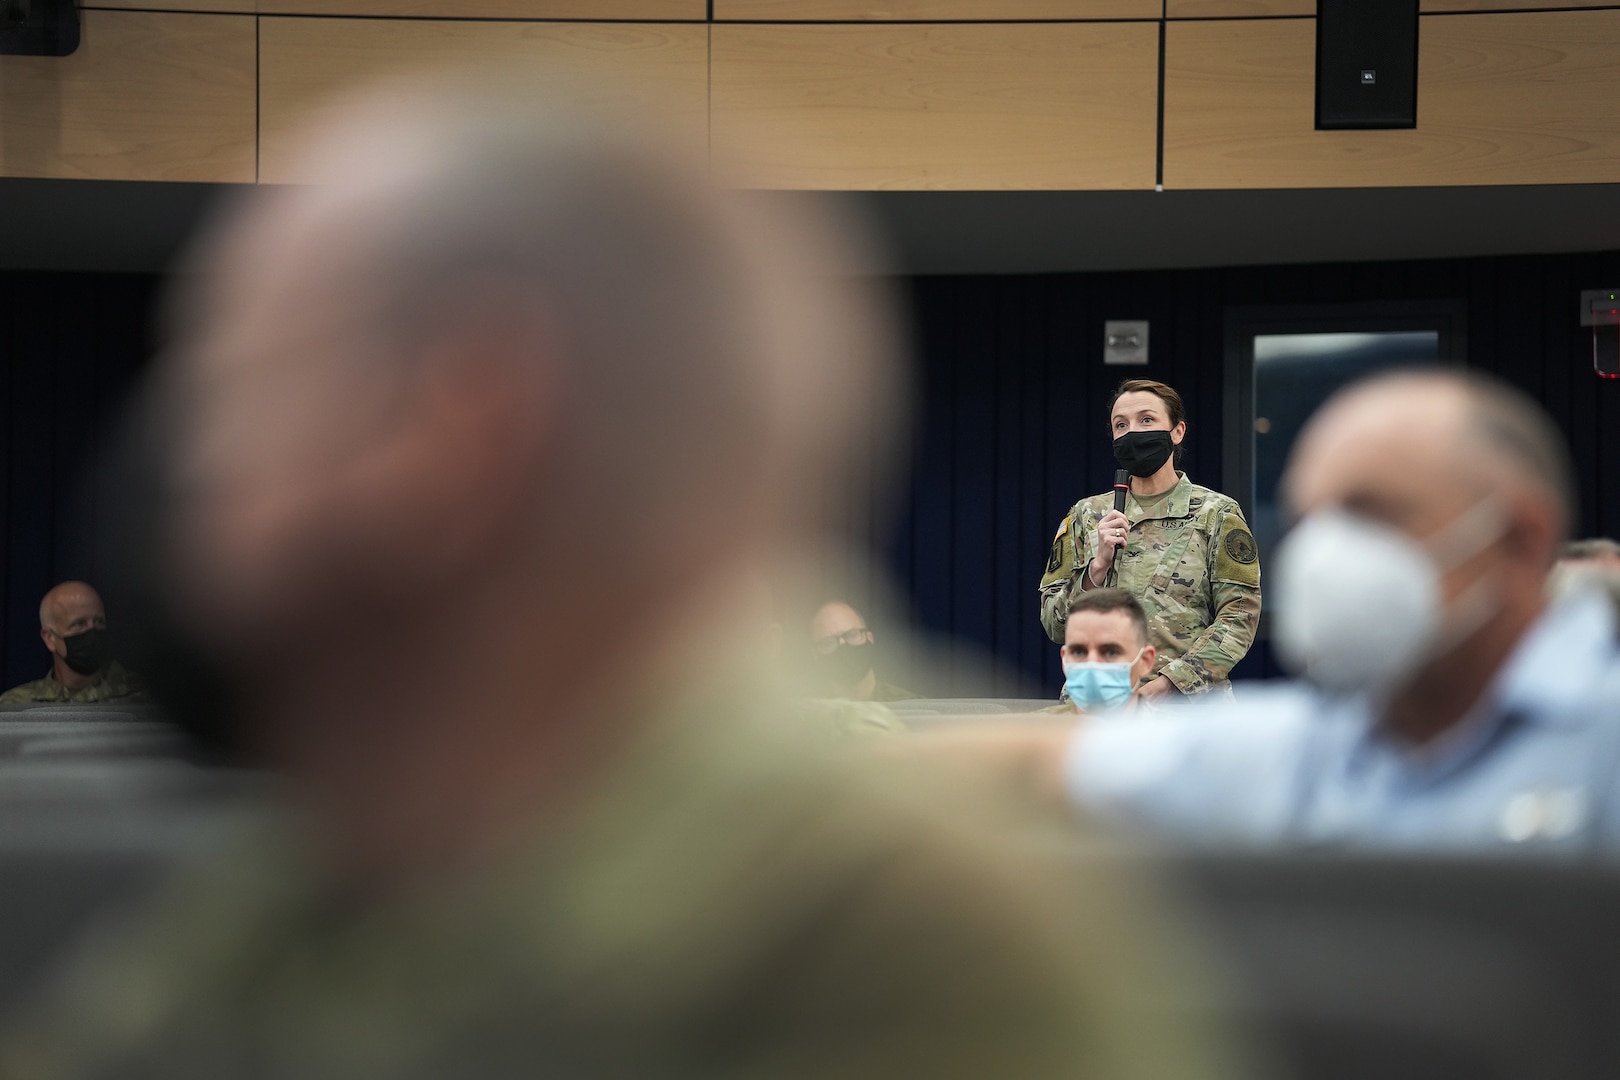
<point>72,624</point>
<point>1415,449</point>
<point>1467,471</point>
<point>71,608</point>
<point>495,336</point>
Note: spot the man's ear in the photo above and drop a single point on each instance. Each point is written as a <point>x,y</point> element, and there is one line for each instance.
<point>45,635</point>
<point>1149,654</point>
<point>1532,534</point>
<point>462,466</point>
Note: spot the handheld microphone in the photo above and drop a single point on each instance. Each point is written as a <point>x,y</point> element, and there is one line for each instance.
<point>1122,484</point>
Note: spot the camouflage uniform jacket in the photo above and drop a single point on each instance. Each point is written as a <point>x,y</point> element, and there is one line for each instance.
<point>114,685</point>
<point>841,718</point>
<point>1192,564</point>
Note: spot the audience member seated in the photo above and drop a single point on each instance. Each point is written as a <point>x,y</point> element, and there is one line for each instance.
<point>833,719</point>
<point>73,625</point>
<point>1106,655</point>
<point>843,656</point>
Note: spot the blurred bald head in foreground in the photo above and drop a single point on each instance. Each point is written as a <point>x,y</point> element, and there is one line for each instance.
<point>472,446</point>
<point>475,426</point>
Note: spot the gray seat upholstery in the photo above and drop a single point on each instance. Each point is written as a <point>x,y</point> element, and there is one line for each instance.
<point>65,862</point>
<point>1419,969</point>
<point>89,738</point>
<point>974,706</point>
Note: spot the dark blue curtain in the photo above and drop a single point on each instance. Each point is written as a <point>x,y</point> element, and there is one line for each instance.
<point>1010,424</point>
<point>70,345</point>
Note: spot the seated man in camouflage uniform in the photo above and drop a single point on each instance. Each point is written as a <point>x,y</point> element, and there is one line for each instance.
<point>73,625</point>
<point>843,646</point>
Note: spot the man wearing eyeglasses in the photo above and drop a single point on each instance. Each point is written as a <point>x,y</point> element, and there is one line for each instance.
<point>842,646</point>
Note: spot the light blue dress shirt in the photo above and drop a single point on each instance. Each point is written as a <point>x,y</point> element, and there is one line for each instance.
<point>1534,768</point>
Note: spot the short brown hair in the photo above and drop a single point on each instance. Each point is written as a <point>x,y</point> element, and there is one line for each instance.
<point>1163,391</point>
<point>1106,600</point>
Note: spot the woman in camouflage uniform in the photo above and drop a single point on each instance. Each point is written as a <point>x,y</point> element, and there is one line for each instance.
<point>1182,550</point>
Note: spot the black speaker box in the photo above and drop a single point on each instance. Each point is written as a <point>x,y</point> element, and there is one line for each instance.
<point>39,27</point>
<point>1366,64</point>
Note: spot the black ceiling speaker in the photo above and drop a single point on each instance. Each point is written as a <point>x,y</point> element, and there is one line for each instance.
<point>1366,64</point>
<point>38,27</point>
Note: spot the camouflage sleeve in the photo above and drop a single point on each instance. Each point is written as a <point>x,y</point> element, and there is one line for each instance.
<point>1234,577</point>
<point>1062,571</point>
<point>20,695</point>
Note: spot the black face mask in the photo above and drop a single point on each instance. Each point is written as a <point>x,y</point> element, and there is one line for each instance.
<point>845,666</point>
<point>1143,453</point>
<point>87,651</point>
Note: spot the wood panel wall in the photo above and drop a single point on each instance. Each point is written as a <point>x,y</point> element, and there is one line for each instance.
<point>585,10</point>
<point>1236,9</point>
<point>855,94</point>
<point>930,10</point>
<point>147,96</point>
<point>617,70</point>
<point>1525,98</point>
<point>1068,105</point>
<point>1251,9</point>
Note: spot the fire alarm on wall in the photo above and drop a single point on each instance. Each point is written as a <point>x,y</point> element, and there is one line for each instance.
<point>1600,309</point>
<point>1125,342</point>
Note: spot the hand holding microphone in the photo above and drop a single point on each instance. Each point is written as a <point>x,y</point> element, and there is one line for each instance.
<point>1112,531</point>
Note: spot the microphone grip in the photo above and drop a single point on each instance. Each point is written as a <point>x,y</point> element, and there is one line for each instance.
<point>1122,484</point>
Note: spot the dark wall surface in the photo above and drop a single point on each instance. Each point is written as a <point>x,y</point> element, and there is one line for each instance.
<point>70,345</point>
<point>1010,419</point>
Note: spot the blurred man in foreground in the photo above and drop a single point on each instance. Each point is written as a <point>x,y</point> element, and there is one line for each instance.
<point>443,429</point>
<point>843,646</point>
<point>1105,652</point>
<point>1447,705</point>
<point>73,625</point>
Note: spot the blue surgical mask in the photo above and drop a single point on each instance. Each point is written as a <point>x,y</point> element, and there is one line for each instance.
<point>1100,687</point>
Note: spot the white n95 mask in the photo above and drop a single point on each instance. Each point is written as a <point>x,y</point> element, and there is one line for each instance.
<point>1358,603</point>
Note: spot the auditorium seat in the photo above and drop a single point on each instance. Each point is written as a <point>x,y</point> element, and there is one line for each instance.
<point>1408,969</point>
<point>63,864</point>
<point>969,706</point>
<point>14,714</point>
<point>941,712</point>
<point>89,738</point>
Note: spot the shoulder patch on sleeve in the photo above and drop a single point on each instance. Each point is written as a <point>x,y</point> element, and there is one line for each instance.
<point>1063,528</point>
<point>1239,546</point>
<point>1237,556</point>
<point>1054,561</point>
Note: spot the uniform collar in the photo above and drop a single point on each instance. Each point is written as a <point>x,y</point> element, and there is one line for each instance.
<point>100,679</point>
<point>1546,681</point>
<point>1175,504</point>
